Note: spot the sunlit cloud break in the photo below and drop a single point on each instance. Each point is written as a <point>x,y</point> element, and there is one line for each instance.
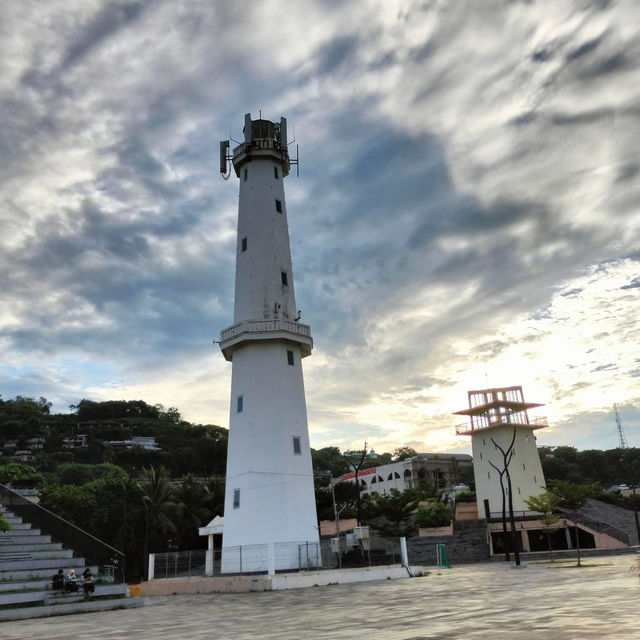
<point>466,214</point>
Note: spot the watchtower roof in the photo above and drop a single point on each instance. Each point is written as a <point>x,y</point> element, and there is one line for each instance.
<point>495,407</point>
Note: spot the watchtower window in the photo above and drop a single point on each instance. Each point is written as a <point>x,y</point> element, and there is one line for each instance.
<point>246,174</point>
<point>297,450</point>
<point>236,498</point>
<point>283,277</point>
<point>240,404</point>
<point>278,206</point>
<point>244,244</point>
<point>275,172</point>
<point>290,357</point>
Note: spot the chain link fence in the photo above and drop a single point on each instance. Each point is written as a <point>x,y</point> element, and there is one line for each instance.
<point>287,556</point>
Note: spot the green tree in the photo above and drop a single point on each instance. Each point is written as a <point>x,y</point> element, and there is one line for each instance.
<point>545,503</point>
<point>191,510</point>
<point>436,514</point>
<point>72,503</point>
<point>4,525</point>
<point>15,472</point>
<point>402,453</point>
<point>329,459</point>
<point>157,497</point>
<point>392,514</point>
<point>572,497</point>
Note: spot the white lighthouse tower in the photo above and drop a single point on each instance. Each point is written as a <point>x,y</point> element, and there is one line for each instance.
<point>270,518</point>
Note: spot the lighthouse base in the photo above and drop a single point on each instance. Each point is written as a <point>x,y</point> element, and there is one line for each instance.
<point>271,557</point>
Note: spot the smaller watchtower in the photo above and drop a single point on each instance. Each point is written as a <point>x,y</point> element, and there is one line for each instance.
<point>495,414</point>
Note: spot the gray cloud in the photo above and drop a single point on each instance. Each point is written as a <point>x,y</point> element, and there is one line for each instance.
<point>107,21</point>
<point>447,186</point>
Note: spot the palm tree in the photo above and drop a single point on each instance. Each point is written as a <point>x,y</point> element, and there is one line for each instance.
<point>157,497</point>
<point>191,500</point>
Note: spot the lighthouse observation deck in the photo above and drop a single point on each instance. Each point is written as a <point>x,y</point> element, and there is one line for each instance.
<point>279,329</point>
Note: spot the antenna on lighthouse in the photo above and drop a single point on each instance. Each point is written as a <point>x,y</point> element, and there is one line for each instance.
<point>225,168</point>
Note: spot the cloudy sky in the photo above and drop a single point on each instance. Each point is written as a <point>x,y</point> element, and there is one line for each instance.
<point>467,212</point>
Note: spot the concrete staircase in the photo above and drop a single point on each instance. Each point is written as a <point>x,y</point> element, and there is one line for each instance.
<point>612,519</point>
<point>28,560</point>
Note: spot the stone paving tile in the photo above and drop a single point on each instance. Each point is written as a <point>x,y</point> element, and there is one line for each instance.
<point>497,601</point>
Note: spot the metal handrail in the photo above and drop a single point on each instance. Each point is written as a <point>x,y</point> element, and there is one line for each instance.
<point>94,550</point>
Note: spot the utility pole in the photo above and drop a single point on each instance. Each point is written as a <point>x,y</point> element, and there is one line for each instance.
<point>356,468</point>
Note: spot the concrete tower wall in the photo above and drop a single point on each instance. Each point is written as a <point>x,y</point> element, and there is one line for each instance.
<point>527,478</point>
<point>269,496</point>
<point>272,472</point>
<point>263,253</point>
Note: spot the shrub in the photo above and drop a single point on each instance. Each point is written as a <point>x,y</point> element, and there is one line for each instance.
<point>437,514</point>
<point>466,496</point>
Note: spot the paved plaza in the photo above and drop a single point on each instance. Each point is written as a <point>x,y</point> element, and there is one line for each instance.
<point>599,600</point>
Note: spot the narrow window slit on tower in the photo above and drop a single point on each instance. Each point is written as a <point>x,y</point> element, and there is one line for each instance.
<point>290,357</point>
<point>278,206</point>
<point>236,498</point>
<point>283,277</point>
<point>240,404</point>
<point>244,244</point>
<point>275,172</point>
<point>296,446</point>
<point>246,174</point>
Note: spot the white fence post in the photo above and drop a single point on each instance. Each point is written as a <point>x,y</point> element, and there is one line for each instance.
<point>271,558</point>
<point>152,566</point>
<point>403,552</point>
<point>208,564</point>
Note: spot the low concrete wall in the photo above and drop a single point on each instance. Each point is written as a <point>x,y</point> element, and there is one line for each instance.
<point>215,584</point>
<point>241,584</point>
<point>344,576</point>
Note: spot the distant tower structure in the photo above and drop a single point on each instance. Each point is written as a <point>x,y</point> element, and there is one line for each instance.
<point>495,414</point>
<point>622,439</point>
<point>269,496</point>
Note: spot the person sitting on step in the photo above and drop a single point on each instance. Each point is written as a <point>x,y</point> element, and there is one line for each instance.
<point>71,582</point>
<point>57,582</point>
<point>88,585</point>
